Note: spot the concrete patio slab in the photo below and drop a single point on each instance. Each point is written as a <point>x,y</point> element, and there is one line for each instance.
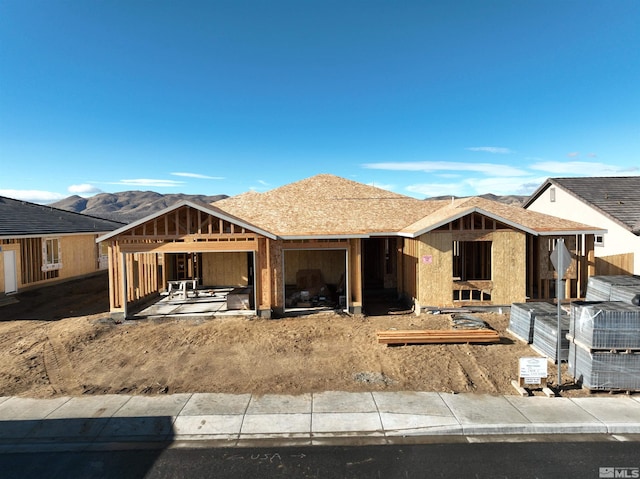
<point>276,403</point>
<point>141,406</point>
<point>620,415</point>
<point>343,402</point>
<point>354,423</point>
<point>205,404</point>
<point>214,426</point>
<point>269,425</point>
<point>408,402</point>
<point>27,408</point>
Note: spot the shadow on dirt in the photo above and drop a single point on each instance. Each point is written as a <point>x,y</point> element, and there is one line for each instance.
<point>79,297</point>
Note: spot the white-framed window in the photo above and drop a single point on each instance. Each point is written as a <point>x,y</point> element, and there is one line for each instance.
<point>552,194</point>
<point>599,240</point>
<point>51,254</point>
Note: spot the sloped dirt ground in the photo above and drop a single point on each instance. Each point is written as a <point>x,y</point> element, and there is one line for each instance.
<point>59,340</point>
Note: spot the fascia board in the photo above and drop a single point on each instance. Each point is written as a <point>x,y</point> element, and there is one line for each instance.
<point>322,237</point>
<point>475,209</point>
<point>208,210</point>
<point>572,232</point>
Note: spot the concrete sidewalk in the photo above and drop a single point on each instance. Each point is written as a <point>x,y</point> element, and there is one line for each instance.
<point>234,420</point>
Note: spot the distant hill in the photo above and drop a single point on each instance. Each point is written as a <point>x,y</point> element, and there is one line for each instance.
<point>128,206</point>
<point>515,200</point>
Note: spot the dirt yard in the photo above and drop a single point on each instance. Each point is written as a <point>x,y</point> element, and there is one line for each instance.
<point>60,341</point>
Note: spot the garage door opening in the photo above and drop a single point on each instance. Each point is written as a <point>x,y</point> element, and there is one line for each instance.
<point>315,280</point>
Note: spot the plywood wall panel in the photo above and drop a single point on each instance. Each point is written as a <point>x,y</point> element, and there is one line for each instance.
<point>330,262</point>
<point>225,269</point>
<point>435,267</point>
<point>508,265</point>
<point>79,256</point>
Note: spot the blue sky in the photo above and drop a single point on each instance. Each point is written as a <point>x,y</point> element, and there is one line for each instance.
<point>212,97</point>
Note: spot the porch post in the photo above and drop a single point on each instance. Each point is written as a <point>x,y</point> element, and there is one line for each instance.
<point>262,278</point>
<point>355,285</point>
<point>124,284</point>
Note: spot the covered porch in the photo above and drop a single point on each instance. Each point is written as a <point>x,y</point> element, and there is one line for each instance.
<point>189,259</point>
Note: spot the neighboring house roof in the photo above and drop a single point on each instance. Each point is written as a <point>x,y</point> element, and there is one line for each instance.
<point>24,219</point>
<point>205,208</point>
<point>616,197</point>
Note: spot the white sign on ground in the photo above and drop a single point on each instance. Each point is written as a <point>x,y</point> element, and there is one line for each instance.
<point>533,370</point>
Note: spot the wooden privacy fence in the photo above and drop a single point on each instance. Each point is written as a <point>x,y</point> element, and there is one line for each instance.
<point>434,336</point>
<point>614,265</point>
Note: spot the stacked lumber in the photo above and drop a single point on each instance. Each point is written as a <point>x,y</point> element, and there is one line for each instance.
<point>435,336</point>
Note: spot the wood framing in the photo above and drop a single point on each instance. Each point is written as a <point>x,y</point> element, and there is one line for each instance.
<point>440,253</point>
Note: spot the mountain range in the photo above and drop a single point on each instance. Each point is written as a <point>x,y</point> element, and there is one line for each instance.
<point>130,206</point>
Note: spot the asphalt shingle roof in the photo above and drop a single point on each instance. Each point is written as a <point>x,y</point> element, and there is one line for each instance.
<point>616,197</point>
<point>21,218</point>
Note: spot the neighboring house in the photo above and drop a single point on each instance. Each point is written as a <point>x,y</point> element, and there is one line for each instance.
<point>40,245</point>
<point>611,203</point>
<point>356,239</point>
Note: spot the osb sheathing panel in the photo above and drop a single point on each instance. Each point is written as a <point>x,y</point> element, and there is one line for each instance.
<point>330,262</point>
<point>508,266</point>
<point>326,204</point>
<point>79,256</point>
<point>435,267</point>
<point>409,267</point>
<point>224,269</point>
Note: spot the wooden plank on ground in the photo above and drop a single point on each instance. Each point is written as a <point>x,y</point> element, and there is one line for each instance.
<point>434,336</point>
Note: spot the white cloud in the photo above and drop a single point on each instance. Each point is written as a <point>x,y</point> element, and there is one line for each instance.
<point>573,154</point>
<point>574,168</point>
<point>150,182</point>
<point>198,175</point>
<point>35,196</point>
<point>491,149</point>
<point>84,189</point>
<point>492,169</point>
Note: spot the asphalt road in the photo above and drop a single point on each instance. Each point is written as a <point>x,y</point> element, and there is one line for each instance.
<point>575,459</point>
